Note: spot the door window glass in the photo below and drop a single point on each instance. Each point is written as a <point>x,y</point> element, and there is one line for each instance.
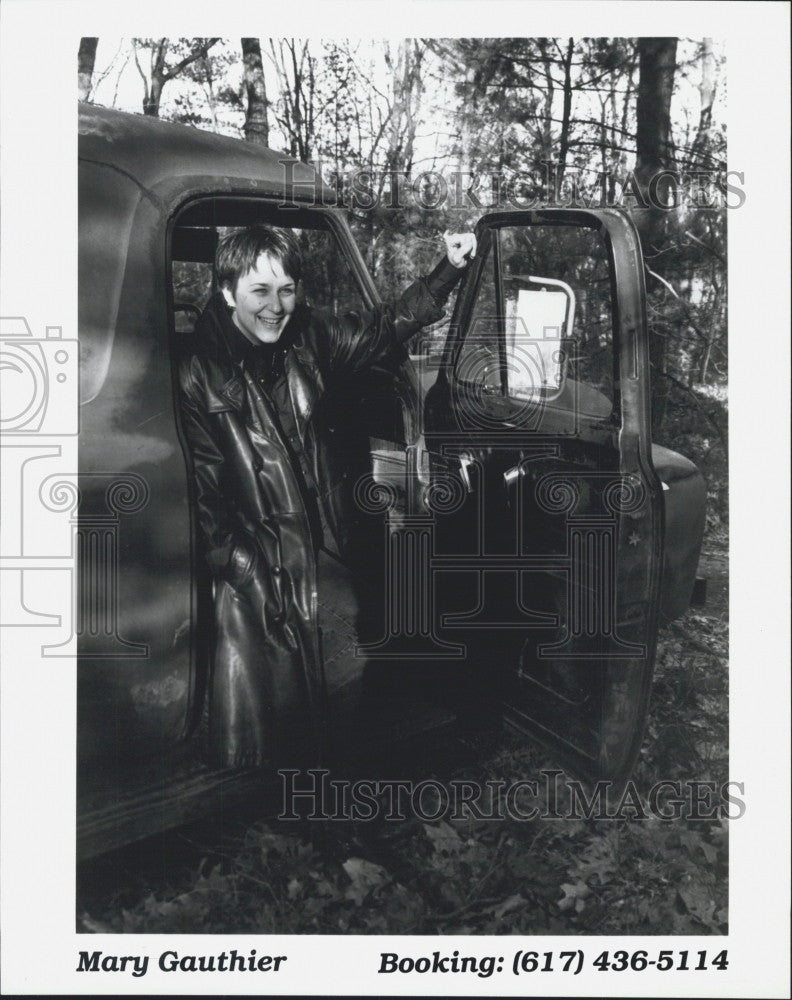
<point>541,323</point>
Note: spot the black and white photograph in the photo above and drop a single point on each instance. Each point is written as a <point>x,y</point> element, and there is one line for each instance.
<point>387,504</point>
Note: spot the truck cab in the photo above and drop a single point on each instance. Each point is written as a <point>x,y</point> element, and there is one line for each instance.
<point>531,537</point>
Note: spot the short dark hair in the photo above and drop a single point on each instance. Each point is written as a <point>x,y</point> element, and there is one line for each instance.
<point>238,251</point>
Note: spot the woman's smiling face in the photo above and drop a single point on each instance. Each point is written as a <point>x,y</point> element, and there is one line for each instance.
<point>263,300</point>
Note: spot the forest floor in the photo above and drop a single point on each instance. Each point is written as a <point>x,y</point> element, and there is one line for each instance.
<point>631,875</point>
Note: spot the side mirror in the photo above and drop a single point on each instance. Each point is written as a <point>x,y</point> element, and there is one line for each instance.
<point>540,316</point>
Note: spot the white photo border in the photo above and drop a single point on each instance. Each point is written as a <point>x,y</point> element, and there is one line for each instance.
<point>38,280</point>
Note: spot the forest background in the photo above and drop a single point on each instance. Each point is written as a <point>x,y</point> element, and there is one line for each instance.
<point>424,134</point>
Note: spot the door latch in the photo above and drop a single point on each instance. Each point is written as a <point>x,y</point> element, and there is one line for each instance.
<point>510,476</point>
<point>465,461</point>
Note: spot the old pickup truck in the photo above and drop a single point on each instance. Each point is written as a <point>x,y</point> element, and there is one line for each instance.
<point>534,539</point>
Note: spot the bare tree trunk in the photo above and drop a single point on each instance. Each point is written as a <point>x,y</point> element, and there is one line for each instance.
<point>657,66</point>
<point>398,105</point>
<point>563,143</point>
<point>706,354</point>
<point>86,57</point>
<point>209,90</point>
<point>707,97</point>
<point>465,122</point>
<point>547,121</point>
<point>653,154</point>
<point>406,80</point>
<point>256,123</point>
<point>301,144</point>
<point>628,94</point>
<point>151,100</point>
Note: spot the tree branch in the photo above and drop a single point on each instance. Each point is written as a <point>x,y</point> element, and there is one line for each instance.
<point>143,76</point>
<point>661,280</point>
<point>196,54</point>
<point>709,249</point>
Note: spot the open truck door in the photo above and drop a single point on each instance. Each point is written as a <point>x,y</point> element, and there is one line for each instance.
<point>548,569</point>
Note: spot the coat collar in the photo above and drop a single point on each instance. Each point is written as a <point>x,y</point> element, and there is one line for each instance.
<point>230,339</point>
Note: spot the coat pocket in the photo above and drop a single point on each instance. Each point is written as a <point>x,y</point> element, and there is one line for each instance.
<point>256,577</point>
<point>242,564</point>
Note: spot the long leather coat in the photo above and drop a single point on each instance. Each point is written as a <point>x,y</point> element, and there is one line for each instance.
<point>266,686</point>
